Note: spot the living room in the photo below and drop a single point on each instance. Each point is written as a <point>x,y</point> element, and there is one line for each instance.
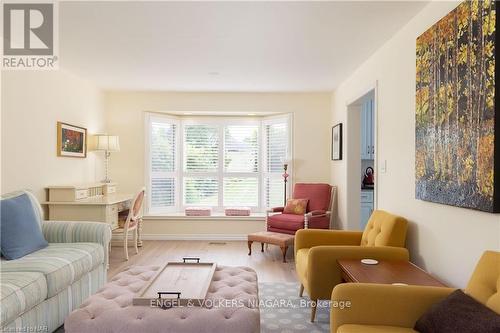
<point>166,135</point>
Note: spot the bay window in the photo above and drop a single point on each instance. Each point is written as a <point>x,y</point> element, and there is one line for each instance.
<point>216,162</point>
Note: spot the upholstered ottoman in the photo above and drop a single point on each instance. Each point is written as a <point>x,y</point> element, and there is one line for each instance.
<point>269,237</point>
<point>232,306</point>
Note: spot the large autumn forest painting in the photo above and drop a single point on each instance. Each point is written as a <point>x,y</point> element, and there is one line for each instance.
<point>455,109</point>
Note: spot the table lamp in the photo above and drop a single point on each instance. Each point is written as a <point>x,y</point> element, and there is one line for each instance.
<point>108,144</point>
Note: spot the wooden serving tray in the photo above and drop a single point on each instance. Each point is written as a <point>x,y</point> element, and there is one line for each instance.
<point>177,284</point>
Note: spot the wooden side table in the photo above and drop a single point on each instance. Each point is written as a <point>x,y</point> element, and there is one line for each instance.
<point>386,272</point>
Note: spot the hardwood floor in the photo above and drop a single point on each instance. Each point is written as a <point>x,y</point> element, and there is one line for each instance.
<point>268,265</point>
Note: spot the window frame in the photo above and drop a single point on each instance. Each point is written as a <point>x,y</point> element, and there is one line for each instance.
<point>221,122</point>
<point>161,118</point>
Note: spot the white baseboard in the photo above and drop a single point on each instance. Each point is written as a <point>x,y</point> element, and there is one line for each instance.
<point>205,237</point>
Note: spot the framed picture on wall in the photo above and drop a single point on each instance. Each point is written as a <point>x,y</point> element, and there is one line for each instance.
<point>337,142</point>
<point>71,140</point>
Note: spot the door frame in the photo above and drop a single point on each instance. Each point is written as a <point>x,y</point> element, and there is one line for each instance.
<point>353,154</point>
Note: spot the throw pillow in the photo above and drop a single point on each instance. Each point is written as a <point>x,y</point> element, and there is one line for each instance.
<point>296,206</point>
<point>459,313</point>
<point>20,233</point>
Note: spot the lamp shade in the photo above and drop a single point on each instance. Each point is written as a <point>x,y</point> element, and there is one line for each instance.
<point>107,142</point>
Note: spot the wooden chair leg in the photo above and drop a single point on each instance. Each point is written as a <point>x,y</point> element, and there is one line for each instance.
<point>313,310</point>
<point>250,247</point>
<point>136,241</point>
<point>301,292</point>
<point>283,250</point>
<point>125,244</point>
<point>261,247</point>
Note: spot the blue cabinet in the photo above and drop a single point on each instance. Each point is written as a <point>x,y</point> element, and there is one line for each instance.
<point>366,207</point>
<point>367,130</point>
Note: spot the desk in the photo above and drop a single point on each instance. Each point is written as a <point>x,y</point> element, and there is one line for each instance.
<point>102,208</point>
<point>387,272</point>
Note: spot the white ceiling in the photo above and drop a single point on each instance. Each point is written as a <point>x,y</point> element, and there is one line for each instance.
<point>224,46</point>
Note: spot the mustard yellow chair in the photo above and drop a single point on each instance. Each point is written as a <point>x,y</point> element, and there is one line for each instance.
<point>378,308</point>
<point>317,252</point>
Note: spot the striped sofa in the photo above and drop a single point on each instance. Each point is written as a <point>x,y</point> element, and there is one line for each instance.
<point>40,289</point>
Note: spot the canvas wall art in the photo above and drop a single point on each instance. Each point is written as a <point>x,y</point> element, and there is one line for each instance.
<point>457,158</point>
<point>71,140</point>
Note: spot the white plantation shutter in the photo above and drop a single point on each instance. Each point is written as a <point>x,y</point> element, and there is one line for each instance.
<point>200,191</point>
<point>223,162</point>
<point>201,164</point>
<point>277,147</point>
<point>241,165</point>
<point>241,148</point>
<point>163,161</point>
<point>201,148</point>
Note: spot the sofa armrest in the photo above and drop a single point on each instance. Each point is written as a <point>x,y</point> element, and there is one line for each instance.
<point>276,210</point>
<point>318,212</point>
<point>376,304</point>
<point>306,238</point>
<point>73,232</point>
<point>324,271</point>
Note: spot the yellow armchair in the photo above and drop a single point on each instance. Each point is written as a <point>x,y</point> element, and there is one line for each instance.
<point>317,252</point>
<point>377,308</point>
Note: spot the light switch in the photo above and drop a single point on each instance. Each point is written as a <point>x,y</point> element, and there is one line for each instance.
<point>383,166</point>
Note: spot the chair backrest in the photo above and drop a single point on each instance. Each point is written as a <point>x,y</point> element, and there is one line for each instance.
<point>385,229</point>
<point>319,195</point>
<point>484,284</point>
<point>37,208</point>
<point>135,211</point>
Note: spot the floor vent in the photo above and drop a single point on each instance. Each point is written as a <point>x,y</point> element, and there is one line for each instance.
<point>217,243</point>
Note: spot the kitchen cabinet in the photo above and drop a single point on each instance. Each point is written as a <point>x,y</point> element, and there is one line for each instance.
<point>367,130</point>
<point>366,207</point>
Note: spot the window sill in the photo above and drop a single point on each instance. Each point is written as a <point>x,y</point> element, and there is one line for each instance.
<point>214,217</point>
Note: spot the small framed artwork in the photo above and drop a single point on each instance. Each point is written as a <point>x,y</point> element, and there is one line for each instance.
<point>71,140</point>
<point>337,142</point>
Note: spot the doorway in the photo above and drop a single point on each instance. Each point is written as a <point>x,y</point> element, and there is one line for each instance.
<point>361,159</point>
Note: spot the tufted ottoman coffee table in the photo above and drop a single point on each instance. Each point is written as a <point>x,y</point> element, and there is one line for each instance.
<point>232,301</point>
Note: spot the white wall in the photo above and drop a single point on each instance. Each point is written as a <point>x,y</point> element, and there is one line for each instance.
<point>32,103</point>
<point>311,147</point>
<point>447,241</point>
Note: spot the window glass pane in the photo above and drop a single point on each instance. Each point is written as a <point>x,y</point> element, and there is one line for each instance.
<point>163,147</point>
<point>241,148</point>
<point>275,192</point>
<point>201,148</point>
<point>241,191</point>
<point>200,191</point>
<point>276,150</point>
<point>162,192</point>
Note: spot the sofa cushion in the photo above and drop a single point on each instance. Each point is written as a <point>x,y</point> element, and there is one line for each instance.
<point>301,258</point>
<point>319,195</point>
<point>20,292</point>
<point>459,313</point>
<point>296,206</point>
<point>21,233</point>
<point>286,221</point>
<point>484,284</point>
<point>373,329</point>
<point>61,263</point>
<point>384,229</point>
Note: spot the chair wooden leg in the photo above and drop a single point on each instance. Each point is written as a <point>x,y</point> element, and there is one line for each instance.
<point>301,292</point>
<point>313,310</point>
<point>125,244</point>
<point>136,241</point>
<point>261,247</point>
<point>250,247</point>
<point>283,250</point>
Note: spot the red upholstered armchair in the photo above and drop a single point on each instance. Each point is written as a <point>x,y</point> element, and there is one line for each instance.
<point>317,214</point>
